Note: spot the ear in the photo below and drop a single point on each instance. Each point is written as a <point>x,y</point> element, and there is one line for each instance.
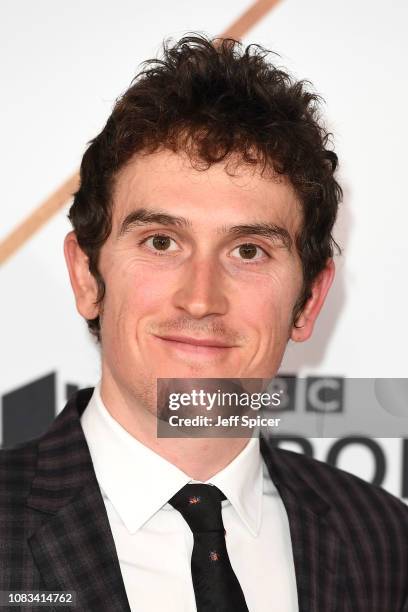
<point>83,283</point>
<point>308,316</point>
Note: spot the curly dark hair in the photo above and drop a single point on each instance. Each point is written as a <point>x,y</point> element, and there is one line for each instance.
<point>211,98</point>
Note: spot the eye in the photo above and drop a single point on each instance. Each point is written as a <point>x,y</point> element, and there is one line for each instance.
<point>250,252</point>
<point>159,242</point>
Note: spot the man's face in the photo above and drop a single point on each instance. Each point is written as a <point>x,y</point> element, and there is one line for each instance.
<point>169,280</point>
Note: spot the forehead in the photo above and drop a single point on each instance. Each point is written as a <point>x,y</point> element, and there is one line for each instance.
<point>228,191</point>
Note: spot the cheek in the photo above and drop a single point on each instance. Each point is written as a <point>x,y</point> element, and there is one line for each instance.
<point>269,302</point>
<point>144,291</point>
<point>132,293</point>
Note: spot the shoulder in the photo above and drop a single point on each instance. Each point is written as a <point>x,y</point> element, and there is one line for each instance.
<point>370,524</point>
<point>357,502</point>
<point>17,468</point>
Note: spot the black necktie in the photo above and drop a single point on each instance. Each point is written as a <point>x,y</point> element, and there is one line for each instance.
<point>216,587</point>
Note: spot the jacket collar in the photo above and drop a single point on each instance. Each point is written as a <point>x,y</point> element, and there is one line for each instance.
<point>64,464</point>
<point>318,550</point>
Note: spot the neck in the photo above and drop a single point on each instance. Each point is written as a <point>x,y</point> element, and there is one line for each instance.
<point>199,458</point>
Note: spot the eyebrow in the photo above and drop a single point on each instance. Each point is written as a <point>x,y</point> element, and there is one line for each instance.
<point>271,231</point>
<point>143,216</point>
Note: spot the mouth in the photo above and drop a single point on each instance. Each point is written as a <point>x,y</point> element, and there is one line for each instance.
<point>195,346</point>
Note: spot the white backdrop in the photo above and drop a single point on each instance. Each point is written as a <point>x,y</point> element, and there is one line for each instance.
<point>63,65</point>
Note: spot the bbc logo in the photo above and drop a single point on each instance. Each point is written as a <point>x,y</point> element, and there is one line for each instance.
<point>312,394</point>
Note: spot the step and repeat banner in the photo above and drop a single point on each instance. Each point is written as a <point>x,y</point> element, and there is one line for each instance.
<point>63,66</point>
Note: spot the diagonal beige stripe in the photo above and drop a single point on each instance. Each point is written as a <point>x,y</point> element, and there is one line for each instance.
<point>61,196</point>
<point>38,217</point>
<point>252,15</point>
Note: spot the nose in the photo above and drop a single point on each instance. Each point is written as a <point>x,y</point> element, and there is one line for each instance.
<point>200,291</point>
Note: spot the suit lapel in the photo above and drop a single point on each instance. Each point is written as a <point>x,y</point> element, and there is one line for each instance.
<point>74,548</point>
<point>318,551</point>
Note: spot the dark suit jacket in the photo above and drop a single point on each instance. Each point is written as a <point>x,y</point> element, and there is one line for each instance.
<point>349,538</point>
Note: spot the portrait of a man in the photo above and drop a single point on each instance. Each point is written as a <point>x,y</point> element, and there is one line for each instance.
<point>201,244</point>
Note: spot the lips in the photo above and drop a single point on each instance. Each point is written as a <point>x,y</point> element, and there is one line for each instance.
<point>196,348</point>
<point>205,342</point>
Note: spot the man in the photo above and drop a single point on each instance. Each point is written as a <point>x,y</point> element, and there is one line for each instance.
<point>201,244</point>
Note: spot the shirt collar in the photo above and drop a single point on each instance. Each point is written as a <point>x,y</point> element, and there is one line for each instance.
<point>124,467</point>
<point>241,481</point>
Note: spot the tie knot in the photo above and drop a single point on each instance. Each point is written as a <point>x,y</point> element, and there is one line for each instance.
<point>200,506</point>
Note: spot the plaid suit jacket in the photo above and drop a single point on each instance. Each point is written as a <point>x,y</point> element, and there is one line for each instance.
<point>349,538</point>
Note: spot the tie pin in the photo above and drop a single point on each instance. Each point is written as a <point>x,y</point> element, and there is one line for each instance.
<point>194,500</point>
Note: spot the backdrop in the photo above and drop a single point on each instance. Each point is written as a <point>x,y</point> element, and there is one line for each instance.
<point>63,65</point>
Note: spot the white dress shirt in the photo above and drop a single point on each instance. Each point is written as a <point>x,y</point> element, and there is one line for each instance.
<point>154,542</point>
